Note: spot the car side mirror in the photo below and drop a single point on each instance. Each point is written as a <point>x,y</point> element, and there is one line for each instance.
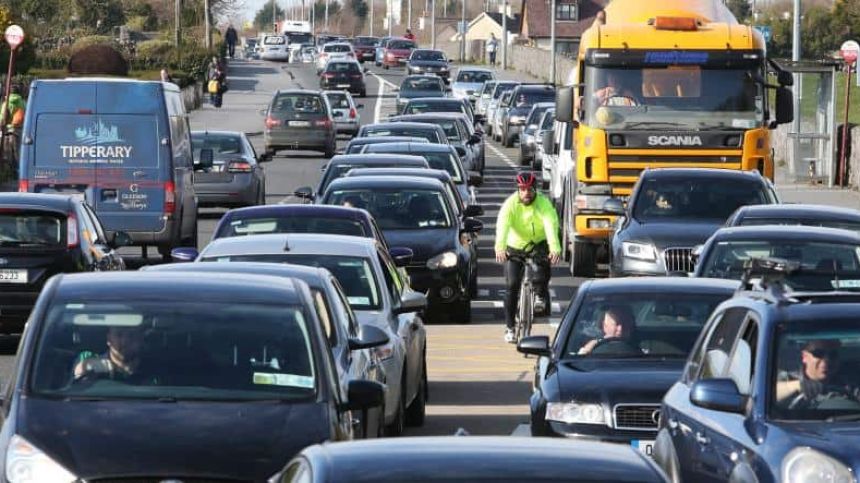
<point>184,254</point>
<point>614,206</point>
<point>720,394</point>
<point>472,225</point>
<point>784,105</point>
<point>120,239</point>
<point>401,255</point>
<point>411,302</point>
<point>536,345</point>
<point>475,179</point>
<point>305,192</point>
<point>368,337</point>
<point>475,139</point>
<point>363,394</point>
<point>461,151</point>
<point>548,142</point>
<point>206,158</point>
<point>473,210</point>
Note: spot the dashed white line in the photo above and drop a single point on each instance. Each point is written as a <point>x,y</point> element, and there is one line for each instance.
<point>503,156</point>
<point>377,111</point>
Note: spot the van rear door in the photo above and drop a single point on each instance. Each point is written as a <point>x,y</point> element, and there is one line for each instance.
<point>133,154</point>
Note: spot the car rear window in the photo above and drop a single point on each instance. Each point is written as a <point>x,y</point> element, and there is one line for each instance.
<point>422,84</point>
<point>338,100</point>
<point>401,44</point>
<point>471,76</point>
<point>26,228</point>
<point>274,40</point>
<point>83,140</point>
<point>342,67</point>
<point>337,48</point>
<point>428,134</point>
<point>366,41</point>
<point>420,107</point>
<point>220,144</point>
<point>291,224</point>
<point>298,103</point>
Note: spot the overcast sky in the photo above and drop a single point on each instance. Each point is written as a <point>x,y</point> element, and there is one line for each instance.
<point>252,6</point>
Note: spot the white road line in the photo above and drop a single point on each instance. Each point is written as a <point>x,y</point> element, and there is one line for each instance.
<point>502,155</point>
<point>522,430</point>
<point>377,111</point>
<point>390,84</point>
<point>499,304</point>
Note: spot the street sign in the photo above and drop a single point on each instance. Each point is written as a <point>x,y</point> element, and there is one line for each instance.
<point>850,50</point>
<point>14,36</point>
<point>766,32</point>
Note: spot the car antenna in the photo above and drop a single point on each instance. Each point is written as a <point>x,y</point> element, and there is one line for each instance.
<point>287,245</point>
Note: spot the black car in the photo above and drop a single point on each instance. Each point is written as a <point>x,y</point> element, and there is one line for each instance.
<point>343,75</point>
<point>339,165</point>
<point>356,145</point>
<point>419,86</point>
<point>148,375</point>
<point>417,213</point>
<point>671,210</point>
<point>460,132</point>
<point>430,132</point>
<point>523,97</point>
<point>620,346</point>
<point>233,175</point>
<point>796,214</point>
<point>470,459</point>
<point>42,235</point>
<point>427,61</point>
<point>727,252</point>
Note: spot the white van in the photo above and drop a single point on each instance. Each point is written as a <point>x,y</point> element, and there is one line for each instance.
<point>274,47</point>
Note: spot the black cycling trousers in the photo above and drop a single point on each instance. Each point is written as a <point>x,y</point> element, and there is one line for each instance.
<point>514,270</point>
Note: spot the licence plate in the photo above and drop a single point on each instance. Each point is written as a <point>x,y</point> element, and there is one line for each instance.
<point>13,276</point>
<point>300,123</point>
<point>643,445</point>
<point>343,85</point>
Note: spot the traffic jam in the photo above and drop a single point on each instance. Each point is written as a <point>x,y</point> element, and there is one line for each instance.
<point>712,334</point>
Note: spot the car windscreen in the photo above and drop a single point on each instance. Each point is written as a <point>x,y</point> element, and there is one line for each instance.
<point>501,89</point>
<point>398,209</point>
<point>532,97</point>
<point>180,350</point>
<point>291,224</point>
<point>488,89</point>
<point>298,103</point>
<point>639,325</point>
<point>428,55</point>
<point>548,120</point>
<point>274,40</point>
<point>816,376</point>
<point>420,107</point>
<point>401,44</point>
<point>25,228</point>
<point>422,84</point>
<point>535,115</point>
<point>428,134</point>
<point>474,77</point>
<point>758,221</point>
<point>353,273</point>
<point>726,259</point>
<point>444,162</point>
<point>704,198</point>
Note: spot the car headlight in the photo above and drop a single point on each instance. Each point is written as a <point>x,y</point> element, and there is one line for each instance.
<point>517,120</point>
<point>640,251</point>
<point>384,352</point>
<point>807,465</point>
<point>25,462</point>
<point>575,413</point>
<point>443,69</point>
<point>443,260</point>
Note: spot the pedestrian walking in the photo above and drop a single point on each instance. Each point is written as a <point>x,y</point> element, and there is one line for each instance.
<point>492,45</point>
<point>231,37</point>
<point>217,82</point>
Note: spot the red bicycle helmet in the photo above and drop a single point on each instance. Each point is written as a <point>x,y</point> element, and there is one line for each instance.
<point>526,180</point>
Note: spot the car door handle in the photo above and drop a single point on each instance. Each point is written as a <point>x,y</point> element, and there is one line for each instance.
<point>702,439</point>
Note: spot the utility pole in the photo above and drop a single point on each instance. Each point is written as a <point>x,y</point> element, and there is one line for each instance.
<point>795,56</point>
<point>371,17</point>
<point>177,13</point>
<point>274,17</point>
<point>552,42</point>
<point>390,18</point>
<point>433,23</point>
<point>326,16</point>
<point>504,34</point>
<point>409,14</point>
<point>463,31</point>
<point>206,21</point>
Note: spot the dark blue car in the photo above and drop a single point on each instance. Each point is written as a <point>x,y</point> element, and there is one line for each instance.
<point>158,376</point>
<point>771,390</point>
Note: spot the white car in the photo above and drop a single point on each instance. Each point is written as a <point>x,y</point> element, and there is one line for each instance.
<point>274,47</point>
<point>469,81</point>
<point>345,111</point>
<point>334,51</point>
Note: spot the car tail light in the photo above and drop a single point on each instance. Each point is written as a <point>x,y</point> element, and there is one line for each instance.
<point>23,185</point>
<point>240,167</point>
<point>323,123</point>
<point>72,231</point>
<point>272,122</point>
<point>352,113</point>
<point>169,198</point>
<point>328,75</point>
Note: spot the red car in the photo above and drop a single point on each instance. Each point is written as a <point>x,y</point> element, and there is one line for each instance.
<point>365,48</point>
<point>397,52</point>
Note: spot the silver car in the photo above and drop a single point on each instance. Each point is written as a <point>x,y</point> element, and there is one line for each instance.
<point>483,99</point>
<point>231,175</point>
<point>378,294</point>
<point>470,80</point>
<point>499,114</point>
<point>334,51</point>
<point>345,111</point>
<point>493,103</point>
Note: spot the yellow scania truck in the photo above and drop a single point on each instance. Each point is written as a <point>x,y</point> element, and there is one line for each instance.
<point>674,83</point>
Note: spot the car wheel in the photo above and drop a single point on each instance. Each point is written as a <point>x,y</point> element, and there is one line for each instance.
<point>329,150</point>
<point>462,312</point>
<point>509,141</point>
<point>473,287</point>
<point>522,159</point>
<point>418,409</point>
<point>385,66</point>
<point>582,260</point>
<point>396,426</point>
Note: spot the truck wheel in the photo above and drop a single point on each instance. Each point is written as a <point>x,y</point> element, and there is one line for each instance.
<point>582,260</point>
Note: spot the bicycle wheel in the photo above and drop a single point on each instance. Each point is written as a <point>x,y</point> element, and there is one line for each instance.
<point>528,309</point>
<point>518,328</point>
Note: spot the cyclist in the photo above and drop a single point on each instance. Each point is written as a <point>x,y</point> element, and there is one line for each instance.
<point>527,226</point>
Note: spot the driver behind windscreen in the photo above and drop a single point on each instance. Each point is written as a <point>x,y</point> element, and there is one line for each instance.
<point>817,380</point>
<point>618,323</point>
<point>615,93</point>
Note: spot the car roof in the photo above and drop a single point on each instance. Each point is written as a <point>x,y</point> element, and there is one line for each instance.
<point>329,44</point>
<point>395,182</point>
<point>788,211</point>
<point>787,232</point>
<point>386,139</point>
<point>481,458</point>
<point>207,132</point>
<point>291,243</point>
<point>475,69</point>
<point>430,50</point>
<point>700,173</point>
<point>167,287</point>
<point>661,285</point>
<point>54,202</point>
<point>421,76</point>
<point>412,125</point>
<point>298,211</point>
<point>539,105</point>
<point>536,87</point>
<point>408,147</point>
<point>377,158</point>
<point>435,100</point>
<point>439,174</point>
<point>313,276</point>
<point>297,91</point>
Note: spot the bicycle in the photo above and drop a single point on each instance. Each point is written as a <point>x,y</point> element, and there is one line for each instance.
<point>526,301</point>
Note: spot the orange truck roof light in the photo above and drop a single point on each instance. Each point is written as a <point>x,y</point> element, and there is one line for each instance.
<point>676,23</point>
